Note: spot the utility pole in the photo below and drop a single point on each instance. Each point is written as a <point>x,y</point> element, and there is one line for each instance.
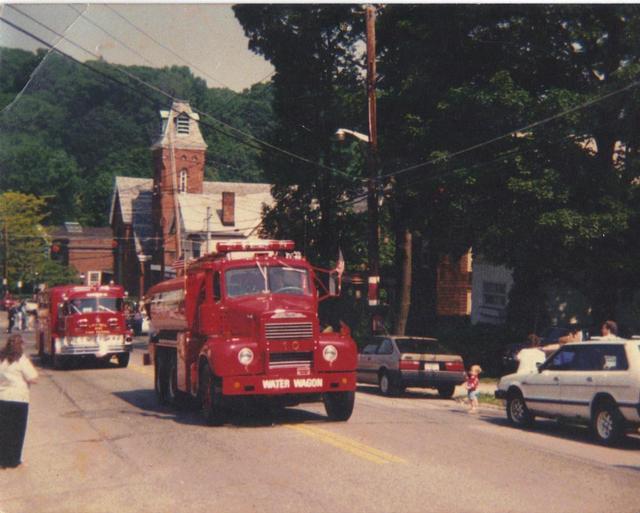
<point>5,262</point>
<point>208,229</point>
<point>372,160</point>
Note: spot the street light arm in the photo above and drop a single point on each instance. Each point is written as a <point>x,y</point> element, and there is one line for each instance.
<point>341,132</point>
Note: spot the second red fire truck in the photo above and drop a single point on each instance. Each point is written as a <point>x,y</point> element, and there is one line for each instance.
<point>243,322</point>
<point>78,321</point>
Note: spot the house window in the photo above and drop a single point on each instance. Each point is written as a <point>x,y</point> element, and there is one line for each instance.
<point>196,246</point>
<point>184,178</point>
<point>494,294</point>
<point>182,124</point>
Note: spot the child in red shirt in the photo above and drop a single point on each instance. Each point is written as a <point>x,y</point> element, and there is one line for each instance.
<point>472,387</point>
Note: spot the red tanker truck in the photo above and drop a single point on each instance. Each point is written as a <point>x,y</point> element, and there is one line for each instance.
<point>76,321</point>
<point>242,322</point>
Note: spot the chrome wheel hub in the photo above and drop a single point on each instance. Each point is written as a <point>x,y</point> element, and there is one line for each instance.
<point>517,410</point>
<point>604,424</point>
<point>384,384</point>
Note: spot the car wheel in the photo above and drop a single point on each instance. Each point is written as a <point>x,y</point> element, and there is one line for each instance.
<point>339,405</point>
<point>607,423</point>
<point>123,359</point>
<point>517,411</point>
<point>210,393</point>
<point>446,391</point>
<point>386,384</point>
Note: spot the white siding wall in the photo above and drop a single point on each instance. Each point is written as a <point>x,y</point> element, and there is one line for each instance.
<point>490,286</point>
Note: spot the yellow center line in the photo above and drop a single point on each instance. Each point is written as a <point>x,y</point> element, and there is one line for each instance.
<point>347,444</point>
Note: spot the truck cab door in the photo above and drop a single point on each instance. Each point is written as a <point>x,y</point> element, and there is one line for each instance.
<point>209,309</point>
<point>61,318</point>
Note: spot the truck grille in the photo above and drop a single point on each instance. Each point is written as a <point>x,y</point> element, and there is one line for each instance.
<point>290,331</point>
<point>286,360</point>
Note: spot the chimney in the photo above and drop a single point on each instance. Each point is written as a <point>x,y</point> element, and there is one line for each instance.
<point>228,208</point>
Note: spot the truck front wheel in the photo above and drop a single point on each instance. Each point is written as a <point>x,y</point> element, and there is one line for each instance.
<point>339,405</point>
<point>210,394</point>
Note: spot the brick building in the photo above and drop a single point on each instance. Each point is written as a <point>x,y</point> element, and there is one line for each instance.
<point>453,286</point>
<point>87,249</point>
<point>157,220</point>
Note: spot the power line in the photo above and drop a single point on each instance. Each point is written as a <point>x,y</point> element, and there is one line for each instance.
<point>525,128</point>
<point>168,49</point>
<point>84,16</point>
<point>252,138</point>
<point>226,125</point>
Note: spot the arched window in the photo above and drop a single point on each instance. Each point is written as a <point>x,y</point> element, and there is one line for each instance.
<point>183,181</point>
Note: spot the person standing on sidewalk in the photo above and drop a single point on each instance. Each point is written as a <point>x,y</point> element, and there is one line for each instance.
<point>529,357</point>
<point>473,381</point>
<point>17,374</point>
<point>11,317</point>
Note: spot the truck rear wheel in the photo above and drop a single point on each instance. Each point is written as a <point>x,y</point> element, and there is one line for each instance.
<point>210,393</point>
<point>161,382</point>
<point>339,405</point>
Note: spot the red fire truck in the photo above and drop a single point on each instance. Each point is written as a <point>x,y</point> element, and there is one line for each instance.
<point>77,321</point>
<point>243,322</point>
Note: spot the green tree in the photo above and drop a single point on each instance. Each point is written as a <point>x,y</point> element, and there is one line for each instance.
<point>24,244</point>
<point>556,202</point>
<point>29,165</point>
<point>317,88</point>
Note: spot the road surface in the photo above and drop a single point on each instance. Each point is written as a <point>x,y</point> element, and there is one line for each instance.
<point>98,441</point>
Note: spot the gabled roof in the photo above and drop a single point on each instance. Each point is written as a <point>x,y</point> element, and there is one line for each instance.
<point>172,135</point>
<point>133,197</point>
<point>247,211</point>
<point>126,190</point>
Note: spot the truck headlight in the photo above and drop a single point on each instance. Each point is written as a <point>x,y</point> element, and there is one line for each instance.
<point>245,356</point>
<point>330,353</point>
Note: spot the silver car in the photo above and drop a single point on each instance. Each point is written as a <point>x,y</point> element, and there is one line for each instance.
<point>397,362</point>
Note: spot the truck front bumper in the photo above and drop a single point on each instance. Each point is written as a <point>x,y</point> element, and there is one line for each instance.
<point>315,383</point>
<point>93,345</point>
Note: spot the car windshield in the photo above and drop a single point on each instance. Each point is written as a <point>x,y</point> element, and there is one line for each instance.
<point>258,279</point>
<point>96,304</point>
<point>421,346</point>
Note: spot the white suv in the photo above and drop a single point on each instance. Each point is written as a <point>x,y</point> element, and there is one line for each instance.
<point>596,382</point>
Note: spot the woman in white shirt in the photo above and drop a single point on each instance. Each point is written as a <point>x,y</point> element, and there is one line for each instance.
<point>17,374</point>
<point>529,357</point>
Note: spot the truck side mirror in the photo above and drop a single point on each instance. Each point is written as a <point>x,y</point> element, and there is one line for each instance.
<point>334,285</point>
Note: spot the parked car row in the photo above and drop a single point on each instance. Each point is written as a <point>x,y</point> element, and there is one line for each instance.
<point>595,383</point>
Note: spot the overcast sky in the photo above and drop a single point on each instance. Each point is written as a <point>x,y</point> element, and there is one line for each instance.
<point>206,35</point>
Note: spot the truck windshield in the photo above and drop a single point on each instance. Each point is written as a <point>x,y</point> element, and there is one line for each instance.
<point>246,281</point>
<point>95,304</point>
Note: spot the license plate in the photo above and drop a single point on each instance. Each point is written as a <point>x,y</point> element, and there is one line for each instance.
<point>431,366</point>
